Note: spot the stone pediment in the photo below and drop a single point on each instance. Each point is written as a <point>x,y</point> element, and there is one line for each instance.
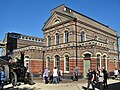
<point>56,18</point>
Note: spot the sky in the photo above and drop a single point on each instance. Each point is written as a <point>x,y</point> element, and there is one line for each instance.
<point>28,16</point>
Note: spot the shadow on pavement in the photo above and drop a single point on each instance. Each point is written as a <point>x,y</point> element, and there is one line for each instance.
<point>114,86</point>
<point>12,88</point>
<point>85,88</point>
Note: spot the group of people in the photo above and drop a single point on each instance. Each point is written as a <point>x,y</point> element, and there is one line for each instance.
<point>97,78</point>
<point>2,77</point>
<point>52,77</point>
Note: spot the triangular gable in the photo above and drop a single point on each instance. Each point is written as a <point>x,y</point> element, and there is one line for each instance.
<point>56,15</point>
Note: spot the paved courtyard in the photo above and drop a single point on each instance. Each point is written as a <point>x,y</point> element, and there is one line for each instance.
<point>63,85</point>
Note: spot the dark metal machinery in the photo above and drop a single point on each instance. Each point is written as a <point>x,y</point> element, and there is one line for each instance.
<point>16,72</point>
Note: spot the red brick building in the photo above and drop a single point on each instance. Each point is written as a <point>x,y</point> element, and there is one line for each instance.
<point>72,39</point>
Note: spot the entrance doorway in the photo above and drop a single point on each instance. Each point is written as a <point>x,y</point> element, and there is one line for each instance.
<point>86,67</point>
<point>86,64</point>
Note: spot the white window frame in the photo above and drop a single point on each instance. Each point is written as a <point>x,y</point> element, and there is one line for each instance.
<point>55,61</point>
<point>105,60</point>
<point>95,37</point>
<point>48,42</point>
<point>48,62</point>
<point>82,40</point>
<point>64,38</point>
<point>100,60</point>
<point>65,71</point>
<point>56,39</point>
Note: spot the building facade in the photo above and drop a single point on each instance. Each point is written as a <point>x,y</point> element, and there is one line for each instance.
<point>16,43</point>
<point>71,39</point>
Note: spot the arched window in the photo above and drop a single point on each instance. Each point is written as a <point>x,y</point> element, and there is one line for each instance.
<point>105,61</point>
<point>95,37</point>
<point>106,40</point>
<point>57,61</point>
<point>66,63</point>
<point>87,56</point>
<point>113,45</point>
<point>98,61</point>
<point>82,36</point>
<point>56,38</point>
<point>66,36</point>
<point>56,21</point>
<point>48,41</point>
<point>48,63</point>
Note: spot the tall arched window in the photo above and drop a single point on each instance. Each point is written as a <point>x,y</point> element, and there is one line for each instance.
<point>105,61</point>
<point>48,41</point>
<point>56,38</point>
<point>66,63</point>
<point>48,63</point>
<point>57,61</point>
<point>113,45</point>
<point>66,36</point>
<point>98,61</point>
<point>82,36</point>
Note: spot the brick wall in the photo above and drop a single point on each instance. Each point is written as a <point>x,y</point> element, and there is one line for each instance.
<point>35,66</point>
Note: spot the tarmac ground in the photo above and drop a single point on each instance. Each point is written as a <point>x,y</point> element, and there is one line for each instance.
<point>65,84</point>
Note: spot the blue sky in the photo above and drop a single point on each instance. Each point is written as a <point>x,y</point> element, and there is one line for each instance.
<point>28,16</point>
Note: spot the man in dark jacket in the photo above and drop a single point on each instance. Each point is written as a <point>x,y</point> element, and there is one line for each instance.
<point>105,73</point>
<point>90,79</point>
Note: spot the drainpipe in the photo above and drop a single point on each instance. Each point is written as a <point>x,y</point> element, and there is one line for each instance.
<point>118,49</point>
<point>43,63</point>
<point>75,20</point>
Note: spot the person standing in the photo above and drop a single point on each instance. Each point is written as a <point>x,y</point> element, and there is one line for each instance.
<point>95,76</point>
<point>100,79</point>
<point>90,75</point>
<point>59,75</point>
<point>51,78</point>
<point>75,74</point>
<point>55,75</point>
<point>2,77</point>
<point>116,73</point>
<point>105,73</point>
<point>45,75</point>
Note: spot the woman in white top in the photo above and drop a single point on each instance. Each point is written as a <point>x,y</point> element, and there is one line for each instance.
<point>100,79</point>
<point>55,75</point>
<point>45,75</point>
<point>116,73</point>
